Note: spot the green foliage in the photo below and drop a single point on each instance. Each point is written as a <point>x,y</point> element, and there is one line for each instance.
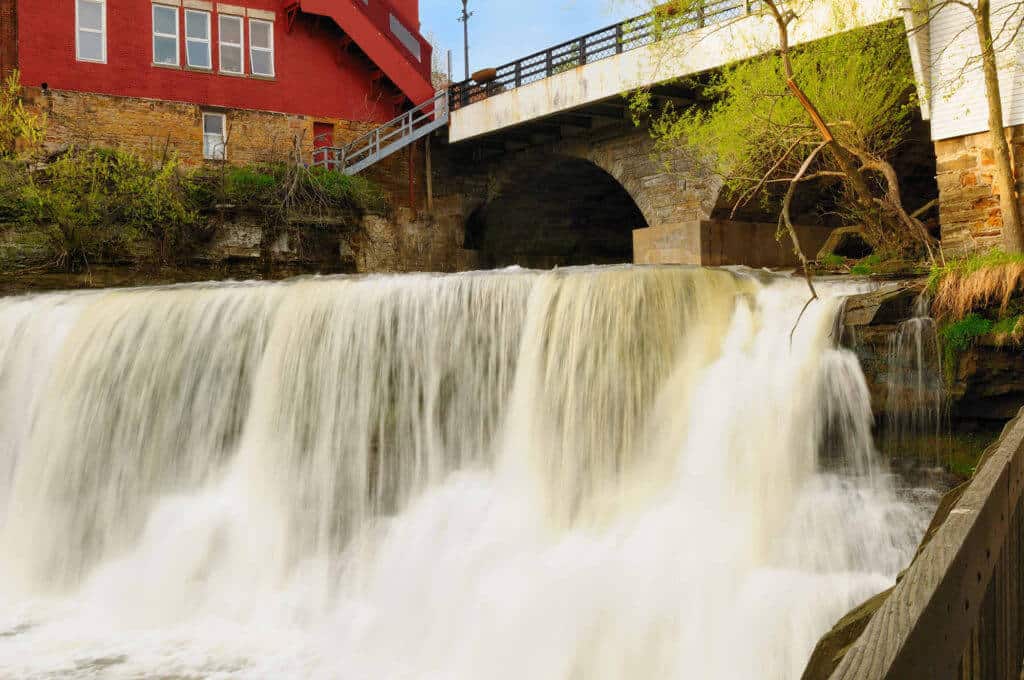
<point>860,81</point>
<point>961,335</point>
<point>19,129</point>
<point>1007,326</point>
<point>833,261</point>
<point>965,266</point>
<point>100,202</point>
<point>251,186</point>
<point>346,191</point>
<point>867,266</point>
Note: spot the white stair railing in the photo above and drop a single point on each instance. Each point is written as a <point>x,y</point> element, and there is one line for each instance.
<point>385,140</point>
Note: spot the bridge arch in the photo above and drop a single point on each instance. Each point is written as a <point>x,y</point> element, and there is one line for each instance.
<point>551,209</point>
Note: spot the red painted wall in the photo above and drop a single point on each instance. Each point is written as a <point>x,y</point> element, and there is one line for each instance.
<point>8,37</point>
<point>314,75</point>
<point>409,10</point>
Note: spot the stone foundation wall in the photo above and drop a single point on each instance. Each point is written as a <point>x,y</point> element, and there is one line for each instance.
<point>8,37</point>
<point>969,201</point>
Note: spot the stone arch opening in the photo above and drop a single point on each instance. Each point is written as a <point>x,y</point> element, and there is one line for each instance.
<point>555,211</point>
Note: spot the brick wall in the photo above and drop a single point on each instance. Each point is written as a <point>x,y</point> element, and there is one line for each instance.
<point>969,201</point>
<point>8,37</point>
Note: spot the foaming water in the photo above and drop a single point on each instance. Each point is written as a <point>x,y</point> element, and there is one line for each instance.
<point>588,474</point>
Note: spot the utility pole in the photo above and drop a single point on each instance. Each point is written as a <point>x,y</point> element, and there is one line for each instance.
<point>465,31</point>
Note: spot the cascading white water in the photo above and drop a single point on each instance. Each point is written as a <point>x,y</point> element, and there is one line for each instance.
<point>587,474</point>
<point>915,387</point>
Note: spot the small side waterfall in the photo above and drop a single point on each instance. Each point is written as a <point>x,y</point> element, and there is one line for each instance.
<point>915,387</point>
<point>595,473</point>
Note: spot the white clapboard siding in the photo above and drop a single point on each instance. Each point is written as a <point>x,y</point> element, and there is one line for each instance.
<point>958,104</point>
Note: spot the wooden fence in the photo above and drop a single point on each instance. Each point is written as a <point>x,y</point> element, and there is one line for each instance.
<point>958,611</point>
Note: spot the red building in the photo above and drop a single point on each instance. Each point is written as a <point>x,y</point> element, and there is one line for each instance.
<point>211,79</point>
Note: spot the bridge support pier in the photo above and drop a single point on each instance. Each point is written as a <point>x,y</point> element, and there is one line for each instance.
<point>713,243</point>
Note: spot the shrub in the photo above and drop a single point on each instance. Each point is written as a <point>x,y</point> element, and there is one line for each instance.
<point>100,202</point>
<point>19,129</point>
<point>345,191</point>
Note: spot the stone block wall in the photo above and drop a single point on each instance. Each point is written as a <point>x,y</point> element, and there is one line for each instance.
<point>715,243</point>
<point>8,37</point>
<point>969,200</point>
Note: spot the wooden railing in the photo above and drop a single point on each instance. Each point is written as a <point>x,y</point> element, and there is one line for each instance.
<point>607,42</point>
<point>958,611</point>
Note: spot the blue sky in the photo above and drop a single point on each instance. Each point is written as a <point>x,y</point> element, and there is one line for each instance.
<point>504,30</point>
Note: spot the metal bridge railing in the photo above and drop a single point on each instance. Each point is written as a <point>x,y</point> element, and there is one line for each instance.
<point>385,140</point>
<point>621,37</point>
<point>958,611</point>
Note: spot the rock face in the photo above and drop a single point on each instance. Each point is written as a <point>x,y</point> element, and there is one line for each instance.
<point>244,245</point>
<point>869,322</point>
<point>987,382</point>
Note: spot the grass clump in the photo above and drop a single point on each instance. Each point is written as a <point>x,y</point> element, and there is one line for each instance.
<point>867,265</point>
<point>976,282</point>
<point>833,261</point>
<point>962,334</point>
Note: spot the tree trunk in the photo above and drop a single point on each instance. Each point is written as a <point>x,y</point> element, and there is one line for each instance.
<point>843,157</point>
<point>1013,237</point>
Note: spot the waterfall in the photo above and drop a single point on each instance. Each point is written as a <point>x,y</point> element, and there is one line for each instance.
<point>915,388</point>
<point>586,474</point>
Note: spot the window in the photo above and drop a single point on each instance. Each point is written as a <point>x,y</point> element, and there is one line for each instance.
<point>231,44</point>
<point>197,39</point>
<point>215,136</point>
<point>91,30</point>
<point>165,35</point>
<point>261,47</point>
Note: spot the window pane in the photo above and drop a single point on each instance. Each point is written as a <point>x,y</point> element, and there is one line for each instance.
<point>213,125</point>
<point>230,59</point>
<point>198,54</point>
<point>259,34</point>
<point>213,147</point>
<point>262,63</point>
<point>90,15</point>
<point>165,20</point>
<point>90,46</point>
<point>197,25</point>
<point>165,51</point>
<point>231,30</point>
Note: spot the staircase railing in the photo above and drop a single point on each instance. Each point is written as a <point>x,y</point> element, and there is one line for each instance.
<point>385,140</point>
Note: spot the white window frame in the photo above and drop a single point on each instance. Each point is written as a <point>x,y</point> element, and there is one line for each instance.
<point>208,41</point>
<point>222,43</point>
<point>102,31</point>
<point>176,36</point>
<point>223,136</point>
<point>269,50</point>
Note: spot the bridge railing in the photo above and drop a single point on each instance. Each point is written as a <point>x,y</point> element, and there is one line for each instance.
<point>958,611</point>
<point>621,37</point>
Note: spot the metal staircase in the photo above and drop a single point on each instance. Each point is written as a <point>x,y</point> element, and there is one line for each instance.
<point>393,136</point>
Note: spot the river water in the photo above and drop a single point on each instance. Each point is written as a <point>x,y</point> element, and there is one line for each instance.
<point>586,474</point>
